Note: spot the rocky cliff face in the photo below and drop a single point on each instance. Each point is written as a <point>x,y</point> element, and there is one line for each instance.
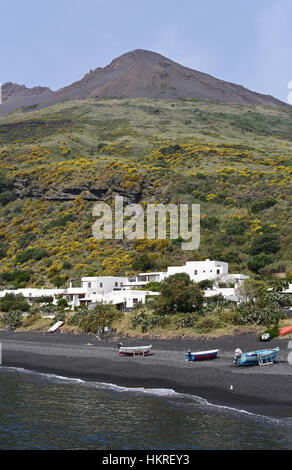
<point>12,91</point>
<point>23,189</point>
<point>16,96</point>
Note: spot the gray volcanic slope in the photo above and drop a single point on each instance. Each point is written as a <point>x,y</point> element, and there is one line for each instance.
<point>19,96</point>
<point>142,74</point>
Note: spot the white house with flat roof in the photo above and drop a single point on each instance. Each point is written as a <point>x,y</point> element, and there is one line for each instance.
<point>201,270</point>
<point>197,270</point>
<point>102,284</point>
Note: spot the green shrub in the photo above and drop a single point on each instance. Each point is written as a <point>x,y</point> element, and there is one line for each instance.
<point>266,243</point>
<point>212,222</point>
<point>11,302</point>
<point>257,262</point>
<point>102,315</point>
<point>187,321</point>
<point>16,277</point>
<point>12,318</point>
<point>137,319</point>
<point>6,197</point>
<point>60,222</point>
<point>237,227</point>
<point>59,317</point>
<point>208,323</point>
<point>143,263</point>
<point>25,239</point>
<point>258,206</point>
<point>153,286</point>
<point>3,249</point>
<point>46,299</point>
<point>205,284</point>
<point>32,253</point>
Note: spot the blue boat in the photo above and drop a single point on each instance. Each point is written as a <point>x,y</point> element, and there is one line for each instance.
<point>201,355</point>
<point>263,356</point>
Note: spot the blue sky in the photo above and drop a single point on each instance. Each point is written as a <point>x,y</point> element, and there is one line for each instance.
<point>55,43</point>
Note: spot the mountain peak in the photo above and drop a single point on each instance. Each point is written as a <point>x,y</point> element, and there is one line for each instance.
<point>139,73</point>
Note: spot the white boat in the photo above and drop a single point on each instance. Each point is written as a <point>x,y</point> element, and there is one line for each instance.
<point>55,326</point>
<point>134,350</point>
<point>201,355</point>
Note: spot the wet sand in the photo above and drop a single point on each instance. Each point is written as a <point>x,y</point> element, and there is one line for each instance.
<point>263,390</point>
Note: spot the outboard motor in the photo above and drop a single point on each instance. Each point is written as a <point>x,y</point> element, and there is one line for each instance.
<point>237,354</point>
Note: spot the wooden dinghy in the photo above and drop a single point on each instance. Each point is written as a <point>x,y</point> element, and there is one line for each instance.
<point>261,357</point>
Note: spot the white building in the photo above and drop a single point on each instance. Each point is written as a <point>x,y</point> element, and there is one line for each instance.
<point>105,290</point>
<point>123,291</point>
<point>197,270</point>
<point>201,270</point>
<point>102,284</point>
<point>32,293</point>
<point>143,278</point>
<point>125,299</point>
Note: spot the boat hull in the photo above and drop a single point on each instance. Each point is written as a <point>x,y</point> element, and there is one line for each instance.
<point>286,330</point>
<point>138,351</point>
<point>201,355</point>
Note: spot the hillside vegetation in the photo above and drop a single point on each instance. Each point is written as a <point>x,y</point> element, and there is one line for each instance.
<point>233,160</point>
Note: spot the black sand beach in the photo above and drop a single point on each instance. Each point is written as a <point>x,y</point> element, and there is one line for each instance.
<point>262,390</point>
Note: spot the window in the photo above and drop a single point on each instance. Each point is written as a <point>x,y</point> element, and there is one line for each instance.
<point>100,284</point>
<point>135,301</point>
<point>218,271</point>
<point>116,284</point>
<point>196,272</point>
<point>89,284</point>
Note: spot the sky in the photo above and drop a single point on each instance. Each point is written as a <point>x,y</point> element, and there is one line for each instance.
<point>55,43</point>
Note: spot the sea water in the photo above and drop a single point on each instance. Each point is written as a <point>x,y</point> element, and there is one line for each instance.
<point>43,411</point>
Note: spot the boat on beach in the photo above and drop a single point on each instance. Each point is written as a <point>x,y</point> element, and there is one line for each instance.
<point>262,357</point>
<point>55,327</point>
<point>286,330</point>
<point>201,355</point>
<point>134,350</point>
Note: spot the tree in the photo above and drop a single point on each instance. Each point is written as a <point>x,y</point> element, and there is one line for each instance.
<point>143,263</point>
<point>178,295</point>
<point>255,263</point>
<point>266,243</point>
